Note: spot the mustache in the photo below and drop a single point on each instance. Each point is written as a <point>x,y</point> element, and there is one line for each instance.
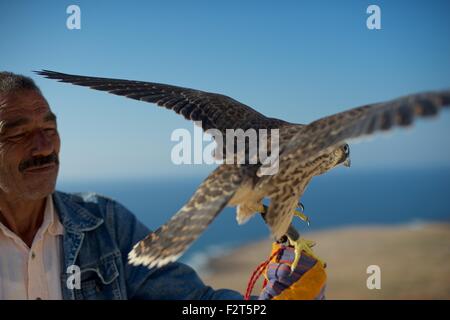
<point>38,161</point>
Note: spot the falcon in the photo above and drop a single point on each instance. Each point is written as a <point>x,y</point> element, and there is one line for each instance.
<point>305,151</point>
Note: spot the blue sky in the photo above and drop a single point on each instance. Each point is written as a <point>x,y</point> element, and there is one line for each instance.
<point>296,60</point>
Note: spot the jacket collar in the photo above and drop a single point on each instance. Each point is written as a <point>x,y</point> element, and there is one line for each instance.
<point>74,217</point>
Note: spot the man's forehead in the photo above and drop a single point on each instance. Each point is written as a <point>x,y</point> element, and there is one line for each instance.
<point>22,103</point>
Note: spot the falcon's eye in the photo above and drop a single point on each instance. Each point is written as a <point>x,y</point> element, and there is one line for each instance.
<point>346,149</point>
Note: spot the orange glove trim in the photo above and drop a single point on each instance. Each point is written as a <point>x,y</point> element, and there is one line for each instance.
<point>308,287</point>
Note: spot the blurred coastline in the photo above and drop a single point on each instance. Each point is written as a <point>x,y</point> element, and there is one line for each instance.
<point>339,199</point>
<point>414,260</point>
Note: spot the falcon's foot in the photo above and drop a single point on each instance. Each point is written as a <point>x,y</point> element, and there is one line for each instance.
<point>302,245</point>
<point>262,208</point>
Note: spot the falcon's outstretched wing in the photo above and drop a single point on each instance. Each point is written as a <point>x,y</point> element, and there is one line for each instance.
<point>324,135</point>
<point>172,239</point>
<point>216,111</point>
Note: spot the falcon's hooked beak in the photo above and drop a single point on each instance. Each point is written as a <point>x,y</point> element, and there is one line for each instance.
<point>347,162</point>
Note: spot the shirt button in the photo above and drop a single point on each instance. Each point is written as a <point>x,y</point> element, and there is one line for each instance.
<point>33,255</point>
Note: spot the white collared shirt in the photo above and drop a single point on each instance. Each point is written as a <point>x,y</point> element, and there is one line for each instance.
<point>32,273</point>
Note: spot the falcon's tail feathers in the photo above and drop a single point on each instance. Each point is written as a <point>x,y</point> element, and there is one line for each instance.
<point>172,239</point>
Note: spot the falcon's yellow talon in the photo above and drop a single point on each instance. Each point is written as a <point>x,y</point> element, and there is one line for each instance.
<point>302,216</point>
<point>303,245</point>
<point>299,213</point>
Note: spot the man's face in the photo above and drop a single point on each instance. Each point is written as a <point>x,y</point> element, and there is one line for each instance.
<point>29,145</point>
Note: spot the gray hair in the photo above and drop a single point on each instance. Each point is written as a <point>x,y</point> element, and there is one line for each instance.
<point>11,82</point>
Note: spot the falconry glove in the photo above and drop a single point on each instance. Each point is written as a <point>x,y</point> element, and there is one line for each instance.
<point>306,282</point>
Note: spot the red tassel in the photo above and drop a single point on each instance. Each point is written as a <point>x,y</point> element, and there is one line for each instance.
<point>257,273</point>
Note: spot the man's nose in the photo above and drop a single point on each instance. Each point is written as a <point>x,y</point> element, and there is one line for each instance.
<point>42,145</point>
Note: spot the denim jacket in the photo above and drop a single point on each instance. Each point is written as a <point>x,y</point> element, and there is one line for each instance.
<point>98,235</point>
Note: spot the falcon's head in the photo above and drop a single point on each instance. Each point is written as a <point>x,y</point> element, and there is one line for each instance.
<point>340,155</point>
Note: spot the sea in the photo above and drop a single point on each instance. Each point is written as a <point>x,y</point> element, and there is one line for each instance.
<point>338,199</point>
